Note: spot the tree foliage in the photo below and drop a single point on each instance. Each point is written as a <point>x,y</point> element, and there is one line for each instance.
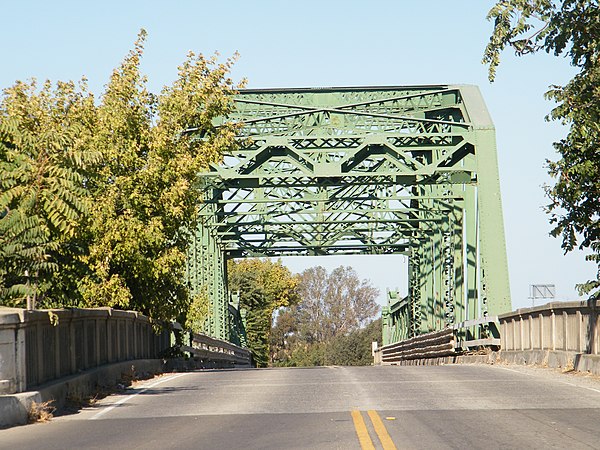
<point>327,326</point>
<point>570,28</point>
<point>334,304</point>
<point>43,163</point>
<point>97,195</point>
<point>352,349</point>
<point>146,185</point>
<point>264,286</point>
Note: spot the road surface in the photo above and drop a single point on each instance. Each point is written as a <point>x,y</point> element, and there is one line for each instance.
<point>428,407</point>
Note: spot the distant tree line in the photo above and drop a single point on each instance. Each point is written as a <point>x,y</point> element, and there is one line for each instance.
<point>314,318</point>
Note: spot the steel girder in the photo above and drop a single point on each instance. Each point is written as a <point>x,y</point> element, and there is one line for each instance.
<point>367,170</point>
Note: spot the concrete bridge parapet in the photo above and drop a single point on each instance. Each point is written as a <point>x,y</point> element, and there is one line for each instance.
<point>40,346</point>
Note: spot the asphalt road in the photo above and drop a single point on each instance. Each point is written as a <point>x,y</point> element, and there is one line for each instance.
<point>454,406</point>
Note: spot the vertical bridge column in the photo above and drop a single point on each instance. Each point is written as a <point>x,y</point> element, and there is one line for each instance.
<point>494,288</point>
<point>207,273</point>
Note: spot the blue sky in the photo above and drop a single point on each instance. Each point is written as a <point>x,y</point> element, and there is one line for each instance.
<point>327,43</point>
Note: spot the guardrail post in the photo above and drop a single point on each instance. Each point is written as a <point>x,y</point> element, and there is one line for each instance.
<point>565,317</point>
<point>127,338</point>
<point>594,336</point>
<point>540,318</point>
<point>57,350</point>
<point>109,338</point>
<point>20,359</point>
<point>521,331</point>
<point>39,354</point>
<point>553,330</point>
<point>97,341</point>
<point>72,357</point>
<point>134,341</point>
<point>12,353</point>
<point>515,342</point>
<point>84,332</point>
<point>580,336</point>
<point>531,346</point>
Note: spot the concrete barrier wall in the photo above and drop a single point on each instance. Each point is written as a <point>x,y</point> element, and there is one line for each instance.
<point>43,345</point>
<point>560,326</point>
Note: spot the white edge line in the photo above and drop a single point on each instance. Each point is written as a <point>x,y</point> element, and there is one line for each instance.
<point>560,381</point>
<point>515,371</point>
<point>578,386</point>
<point>129,397</point>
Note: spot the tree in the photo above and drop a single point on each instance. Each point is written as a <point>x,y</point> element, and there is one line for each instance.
<point>264,286</point>
<point>570,28</point>
<point>330,323</point>
<point>129,157</point>
<point>354,349</point>
<point>146,193</point>
<point>43,165</point>
<point>334,304</point>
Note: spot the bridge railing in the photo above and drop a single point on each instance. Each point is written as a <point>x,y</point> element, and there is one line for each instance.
<point>216,352</point>
<point>558,326</point>
<point>558,334</point>
<point>463,336</point>
<point>476,333</point>
<point>429,345</point>
<point>42,345</point>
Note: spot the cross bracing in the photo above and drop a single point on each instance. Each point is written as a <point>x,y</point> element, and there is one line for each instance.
<point>368,170</point>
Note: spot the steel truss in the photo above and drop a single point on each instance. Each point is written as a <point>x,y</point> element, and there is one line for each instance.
<point>367,170</point>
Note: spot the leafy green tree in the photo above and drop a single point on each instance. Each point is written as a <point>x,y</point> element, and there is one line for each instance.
<point>264,286</point>
<point>197,313</point>
<point>570,28</point>
<point>304,354</point>
<point>146,193</point>
<point>43,164</point>
<point>284,335</point>
<point>97,195</point>
<point>354,349</point>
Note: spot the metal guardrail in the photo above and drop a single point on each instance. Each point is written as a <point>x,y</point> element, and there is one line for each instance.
<point>474,333</point>
<point>463,336</point>
<point>571,328</point>
<point>429,345</point>
<point>216,350</point>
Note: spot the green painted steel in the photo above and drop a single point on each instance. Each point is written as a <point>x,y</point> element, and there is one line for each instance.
<point>367,170</point>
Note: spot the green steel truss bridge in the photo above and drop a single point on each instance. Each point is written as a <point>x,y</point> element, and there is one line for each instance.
<point>408,170</point>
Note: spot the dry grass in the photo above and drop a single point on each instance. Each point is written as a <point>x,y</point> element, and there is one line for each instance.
<point>569,367</point>
<point>40,412</point>
<point>75,401</point>
<point>480,351</point>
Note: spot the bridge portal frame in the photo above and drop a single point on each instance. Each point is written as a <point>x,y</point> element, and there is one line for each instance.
<point>406,170</point>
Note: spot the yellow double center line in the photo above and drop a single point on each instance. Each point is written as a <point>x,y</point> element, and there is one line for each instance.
<point>363,433</point>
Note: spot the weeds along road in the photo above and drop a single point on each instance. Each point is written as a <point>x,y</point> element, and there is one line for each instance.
<point>453,406</point>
